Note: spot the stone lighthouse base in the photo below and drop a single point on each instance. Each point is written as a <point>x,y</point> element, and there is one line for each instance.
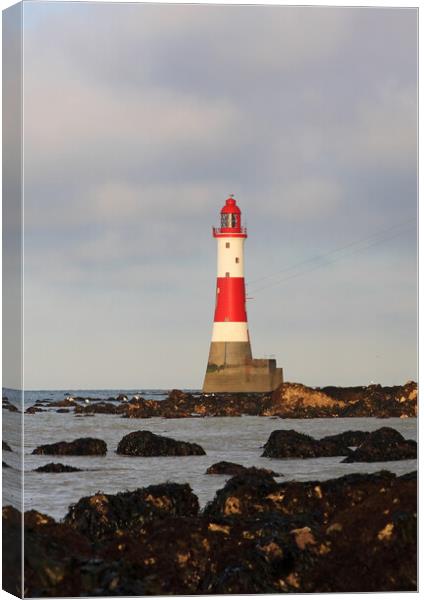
<point>231,368</point>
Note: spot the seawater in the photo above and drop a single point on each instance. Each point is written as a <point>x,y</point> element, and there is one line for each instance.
<point>235,439</point>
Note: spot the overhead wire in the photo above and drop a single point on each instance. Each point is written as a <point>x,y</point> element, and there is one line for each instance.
<point>375,240</point>
<point>330,252</point>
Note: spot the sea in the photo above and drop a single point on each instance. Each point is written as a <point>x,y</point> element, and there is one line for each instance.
<point>235,439</point>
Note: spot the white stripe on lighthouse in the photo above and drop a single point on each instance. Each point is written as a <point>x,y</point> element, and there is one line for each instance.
<point>230,257</point>
<point>230,332</point>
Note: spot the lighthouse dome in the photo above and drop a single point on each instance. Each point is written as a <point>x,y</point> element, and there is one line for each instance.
<point>230,207</point>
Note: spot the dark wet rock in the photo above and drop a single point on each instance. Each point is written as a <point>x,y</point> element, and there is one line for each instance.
<point>56,468</point>
<point>146,443</point>
<point>63,410</point>
<point>53,555</point>
<point>103,514</point>
<point>200,554</point>
<point>250,495</point>
<point>411,476</point>
<point>383,445</point>
<point>65,403</point>
<point>370,546</point>
<point>291,444</point>
<point>347,438</point>
<point>376,400</point>
<point>290,400</point>
<point>228,468</point>
<point>351,534</point>
<point>104,408</point>
<point>5,465</point>
<point>33,409</point>
<point>6,447</point>
<point>78,447</point>
<point>12,551</point>
<point>7,405</point>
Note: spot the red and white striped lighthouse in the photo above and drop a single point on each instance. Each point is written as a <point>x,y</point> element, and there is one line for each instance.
<point>230,364</point>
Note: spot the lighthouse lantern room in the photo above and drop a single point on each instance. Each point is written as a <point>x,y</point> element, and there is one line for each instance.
<point>231,367</point>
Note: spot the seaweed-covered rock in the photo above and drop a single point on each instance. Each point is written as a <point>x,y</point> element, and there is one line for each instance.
<point>7,405</point>
<point>347,438</point>
<point>249,495</point>
<point>383,445</point>
<point>78,447</point>
<point>56,468</point>
<point>102,408</point>
<point>284,443</point>
<point>356,533</point>
<point>146,443</point>
<point>65,403</point>
<point>33,409</point>
<point>370,546</point>
<point>228,468</point>
<point>63,410</point>
<point>103,514</point>
<point>5,446</point>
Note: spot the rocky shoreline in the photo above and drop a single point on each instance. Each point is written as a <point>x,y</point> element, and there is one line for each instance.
<point>356,533</point>
<point>289,401</point>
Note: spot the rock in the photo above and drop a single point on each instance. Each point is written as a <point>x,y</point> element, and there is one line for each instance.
<point>370,546</point>
<point>7,405</point>
<point>356,533</point>
<point>347,438</point>
<point>6,447</point>
<point>33,409</point>
<point>63,410</point>
<point>78,447</point>
<point>104,408</point>
<point>104,514</point>
<point>65,403</point>
<point>5,465</point>
<point>291,444</point>
<point>290,400</point>
<point>228,468</point>
<point>383,445</point>
<point>146,443</point>
<point>56,468</point>
<point>250,495</point>
<point>294,400</point>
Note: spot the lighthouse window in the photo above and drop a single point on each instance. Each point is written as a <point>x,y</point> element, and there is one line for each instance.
<point>228,220</point>
<point>227,274</point>
<point>237,259</point>
<point>227,244</point>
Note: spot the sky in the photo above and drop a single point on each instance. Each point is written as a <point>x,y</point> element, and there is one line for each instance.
<point>139,120</point>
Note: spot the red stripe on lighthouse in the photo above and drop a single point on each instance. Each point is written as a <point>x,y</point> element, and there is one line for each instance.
<point>230,299</point>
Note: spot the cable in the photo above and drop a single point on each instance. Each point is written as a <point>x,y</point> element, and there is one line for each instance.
<point>339,249</point>
<point>380,241</point>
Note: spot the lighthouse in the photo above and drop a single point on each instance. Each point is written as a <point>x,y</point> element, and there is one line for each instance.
<point>231,367</point>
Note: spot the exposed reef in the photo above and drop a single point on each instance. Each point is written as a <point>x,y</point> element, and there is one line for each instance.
<point>352,534</point>
<point>56,468</point>
<point>146,443</point>
<point>285,443</point>
<point>78,447</point>
<point>229,468</point>
<point>290,400</point>
<point>385,444</point>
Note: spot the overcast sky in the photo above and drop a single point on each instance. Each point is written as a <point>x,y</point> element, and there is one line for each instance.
<point>141,119</point>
